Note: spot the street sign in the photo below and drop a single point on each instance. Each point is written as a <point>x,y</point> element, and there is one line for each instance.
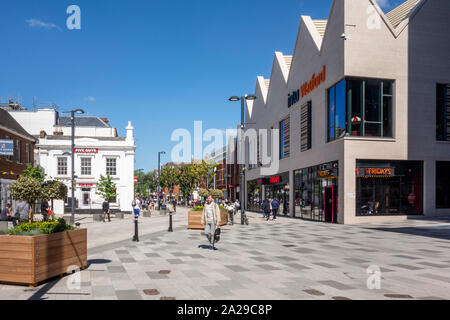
<point>6,148</point>
<point>136,180</point>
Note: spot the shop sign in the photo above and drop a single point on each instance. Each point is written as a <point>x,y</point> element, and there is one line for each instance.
<point>86,150</point>
<point>136,180</point>
<point>6,148</point>
<point>85,184</point>
<point>375,172</point>
<point>307,87</point>
<point>275,179</point>
<point>412,198</point>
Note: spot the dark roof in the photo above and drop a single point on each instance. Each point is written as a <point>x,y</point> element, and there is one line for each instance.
<point>7,121</point>
<point>83,122</point>
<point>80,137</point>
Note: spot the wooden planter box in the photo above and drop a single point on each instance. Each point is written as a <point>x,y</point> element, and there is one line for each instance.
<point>30,260</point>
<point>195,217</point>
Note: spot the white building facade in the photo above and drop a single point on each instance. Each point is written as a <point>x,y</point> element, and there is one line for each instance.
<point>98,152</point>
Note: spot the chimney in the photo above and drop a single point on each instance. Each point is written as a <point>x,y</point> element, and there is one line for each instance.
<point>130,130</point>
<point>105,120</point>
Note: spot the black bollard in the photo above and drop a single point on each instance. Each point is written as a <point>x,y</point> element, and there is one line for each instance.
<point>170,223</point>
<point>136,231</point>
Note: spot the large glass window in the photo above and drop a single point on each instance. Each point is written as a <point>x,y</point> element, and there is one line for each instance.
<point>316,192</point>
<point>284,138</point>
<point>442,184</point>
<point>389,188</point>
<point>360,107</point>
<point>305,125</point>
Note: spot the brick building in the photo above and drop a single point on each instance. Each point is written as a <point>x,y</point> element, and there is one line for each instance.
<point>11,167</point>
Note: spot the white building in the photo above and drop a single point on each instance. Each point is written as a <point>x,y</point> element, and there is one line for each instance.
<point>98,151</point>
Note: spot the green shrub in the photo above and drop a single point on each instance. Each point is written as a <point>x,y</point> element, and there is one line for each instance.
<point>200,208</point>
<point>37,228</point>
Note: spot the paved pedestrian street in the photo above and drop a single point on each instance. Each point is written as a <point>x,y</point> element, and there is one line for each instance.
<point>283,259</point>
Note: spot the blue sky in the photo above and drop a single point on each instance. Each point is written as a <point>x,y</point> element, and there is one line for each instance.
<point>160,64</point>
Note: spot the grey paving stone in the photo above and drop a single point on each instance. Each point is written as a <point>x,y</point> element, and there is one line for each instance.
<point>152,255</point>
<point>116,269</point>
<point>156,275</point>
<point>175,261</point>
<point>237,268</point>
<point>267,267</point>
<point>326,265</point>
<point>297,266</point>
<point>127,260</point>
<point>128,295</point>
<point>435,277</point>
<point>336,285</point>
<point>103,291</point>
<point>405,266</point>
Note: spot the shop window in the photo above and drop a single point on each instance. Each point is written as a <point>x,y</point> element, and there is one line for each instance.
<point>443,112</point>
<point>442,184</point>
<point>305,124</point>
<point>360,107</point>
<point>389,188</point>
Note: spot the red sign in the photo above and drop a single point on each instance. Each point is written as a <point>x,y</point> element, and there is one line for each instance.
<point>412,198</point>
<point>85,184</point>
<point>275,179</point>
<point>86,150</point>
<point>136,179</point>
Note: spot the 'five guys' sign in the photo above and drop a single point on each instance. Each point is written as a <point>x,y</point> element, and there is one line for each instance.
<point>86,150</point>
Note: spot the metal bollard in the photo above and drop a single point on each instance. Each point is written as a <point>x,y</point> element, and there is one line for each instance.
<point>136,230</point>
<point>170,223</point>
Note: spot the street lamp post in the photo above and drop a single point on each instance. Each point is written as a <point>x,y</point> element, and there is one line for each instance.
<point>72,115</point>
<point>242,142</point>
<point>159,178</point>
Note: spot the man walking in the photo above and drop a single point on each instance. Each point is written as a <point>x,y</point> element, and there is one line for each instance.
<point>266,209</point>
<point>136,206</point>
<point>275,206</point>
<point>44,209</point>
<point>210,219</point>
<point>106,211</point>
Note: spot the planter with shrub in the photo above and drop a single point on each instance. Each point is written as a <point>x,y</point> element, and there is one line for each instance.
<point>195,217</point>
<point>34,252</point>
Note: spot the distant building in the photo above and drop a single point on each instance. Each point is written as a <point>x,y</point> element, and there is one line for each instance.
<point>98,151</point>
<point>11,167</point>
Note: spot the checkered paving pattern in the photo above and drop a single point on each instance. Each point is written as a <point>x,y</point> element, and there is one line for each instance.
<point>283,259</point>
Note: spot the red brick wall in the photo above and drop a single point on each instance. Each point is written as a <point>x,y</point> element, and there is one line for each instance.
<point>13,165</point>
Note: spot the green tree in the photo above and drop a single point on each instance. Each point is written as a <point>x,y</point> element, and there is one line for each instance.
<point>216,194</point>
<point>53,190</point>
<point>106,188</point>
<point>28,189</point>
<point>170,177</point>
<point>188,179</point>
<point>35,172</point>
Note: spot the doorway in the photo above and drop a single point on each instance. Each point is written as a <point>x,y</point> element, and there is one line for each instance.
<point>329,205</point>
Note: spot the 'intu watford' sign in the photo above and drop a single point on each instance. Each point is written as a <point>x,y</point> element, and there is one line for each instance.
<point>307,87</point>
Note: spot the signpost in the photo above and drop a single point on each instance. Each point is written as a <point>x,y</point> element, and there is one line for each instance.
<point>6,148</point>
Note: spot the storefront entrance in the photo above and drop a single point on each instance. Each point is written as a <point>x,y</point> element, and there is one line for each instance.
<point>86,198</point>
<point>329,205</point>
<point>276,187</point>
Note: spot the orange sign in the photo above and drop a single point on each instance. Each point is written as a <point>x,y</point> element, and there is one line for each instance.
<point>314,83</point>
<point>378,171</point>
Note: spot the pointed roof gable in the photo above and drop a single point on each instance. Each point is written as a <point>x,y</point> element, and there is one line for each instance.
<point>321,26</point>
<point>398,14</point>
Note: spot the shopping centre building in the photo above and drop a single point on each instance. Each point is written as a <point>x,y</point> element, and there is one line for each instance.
<point>363,112</point>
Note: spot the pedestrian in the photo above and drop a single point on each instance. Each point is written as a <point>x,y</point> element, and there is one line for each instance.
<point>275,206</point>
<point>174,203</point>
<point>23,211</point>
<point>44,209</point>
<point>106,211</point>
<point>231,211</point>
<point>210,219</point>
<point>6,215</point>
<point>137,207</point>
<point>237,204</point>
<point>266,209</point>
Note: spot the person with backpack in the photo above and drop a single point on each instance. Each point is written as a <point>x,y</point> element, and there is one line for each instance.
<point>275,206</point>
<point>210,219</point>
<point>106,211</point>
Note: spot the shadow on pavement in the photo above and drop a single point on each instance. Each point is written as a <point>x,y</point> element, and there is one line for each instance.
<point>97,261</point>
<point>439,232</point>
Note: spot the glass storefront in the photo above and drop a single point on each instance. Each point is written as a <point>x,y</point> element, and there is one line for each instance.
<point>316,192</point>
<point>442,183</point>
<point>389,187</point>
<point>276,187</point>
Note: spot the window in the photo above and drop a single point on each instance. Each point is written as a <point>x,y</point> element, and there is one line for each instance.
<point>19,151</point>
<point>360,108</point>
<point>442,183</point>
<point>27,153</point>
<point>443,112</point>
<point>284,138</point>
<point>62,166</point>
<point>111,166</point>
<point>86,166</point>
<point>305,131</point>
<point>389,187</point>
